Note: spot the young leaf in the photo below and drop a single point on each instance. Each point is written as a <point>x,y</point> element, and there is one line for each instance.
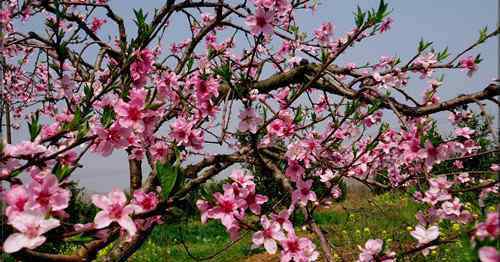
<point>443,54</point>
<point>483,34</point>
<point>34,127</point>
<point>108,115</point>
<point>167,175</point>
<point>359,17</point>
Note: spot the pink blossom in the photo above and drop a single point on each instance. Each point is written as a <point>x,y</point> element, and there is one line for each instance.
<point>283,219</point>
<point>31,227</point>
<point>141,67</point>
<point>270,233</point>
<point>469,64</point>
<point>372,248</point>
<point>464,132</point>
<point>25,148</point>
<point>297,151</point>
<point>5,16</point>
<point>425,236</point>
<point>386,25</point>
<point>255,201</point>
<point>159,150</point>
<point>203,206</point>
<point>167,87</point>
<point>324,32</point>
<point>205,88</point>
<point>303,193</point>
<point>114,209</point>
<point>276,128</point>
<point>489,254</point>
<point>183,133</point>
<point>264,3</point>
<point>298,249</point>
<point>249,121</point>
<point>227,208</point>
<point>463,177</point>
<point>242,179</point>
<point>336,192</point>
<point>423,64</point>
<point>294,170</point>
<point>434,154</point>
<point>495,167</point>
<point>452,208</point>
<point>46,194</point>
<point>261,22</point>
<point>131,114</point>
<point>440,182</point>
<point>108,139</point>
<point>16,199</point>
<point>97,23</point>
<point>144,202</point>
<point>434,195</point>
<point>458,164</point>
<point>490,227</point>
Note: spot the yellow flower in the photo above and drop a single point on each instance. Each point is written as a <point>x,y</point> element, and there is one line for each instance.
<point>455,227</point>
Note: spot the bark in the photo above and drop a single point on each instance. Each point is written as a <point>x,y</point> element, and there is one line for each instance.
<point>135,172</point>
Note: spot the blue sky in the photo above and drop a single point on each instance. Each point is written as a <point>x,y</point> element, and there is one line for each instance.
<point>448,23</point>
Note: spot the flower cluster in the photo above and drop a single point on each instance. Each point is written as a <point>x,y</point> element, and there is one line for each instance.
<point>230,207</point>
<point>116,209</point>
<point>32,210</point>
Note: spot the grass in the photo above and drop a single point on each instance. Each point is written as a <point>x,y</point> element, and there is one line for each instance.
<point>202,241</point>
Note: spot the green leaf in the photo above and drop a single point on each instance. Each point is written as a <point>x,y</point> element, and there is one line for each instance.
<point>422,45</point>
<point>108,116</point>
<point>294,29</point>
<point>299,115</point>
<point>62,171</point>
<point>381,11</point>
<point>483,34</point>
<point>83,130</point>
<point>154,106</point>
<point>224,71</point>
<point>79,239</point>
<point>443,54</point>
<point>88,91</point>
<point>372,145</point>
<point>351,107</point>
<point>34,127</point>
<point>190,63</point>
<point>478,59</point>
<point>359,17</point>
<point>374,107</point>
<point>167,175</point>
<point>75,122</point>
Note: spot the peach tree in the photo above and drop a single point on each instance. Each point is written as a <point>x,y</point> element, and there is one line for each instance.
<point>248,94</point>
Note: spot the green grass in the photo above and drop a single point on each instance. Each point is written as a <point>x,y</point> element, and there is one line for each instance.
<point>165,243</point>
